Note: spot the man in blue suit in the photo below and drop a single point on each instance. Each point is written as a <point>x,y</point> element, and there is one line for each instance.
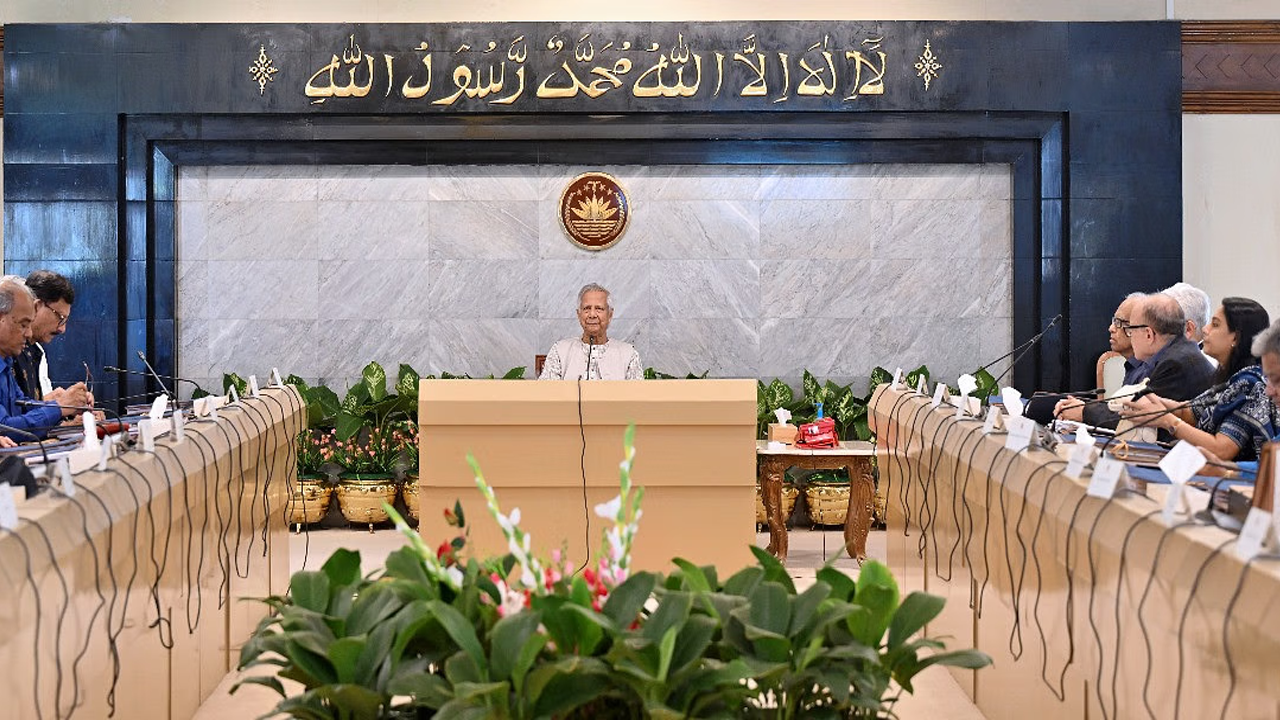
<point>17,312</point>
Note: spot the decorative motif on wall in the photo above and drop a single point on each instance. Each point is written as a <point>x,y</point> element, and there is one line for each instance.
<point>1231,67</point>
<point>262,70</point>
<point>594,211</point>
<point>927,66</point>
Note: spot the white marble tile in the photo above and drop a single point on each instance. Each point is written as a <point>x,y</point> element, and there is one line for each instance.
<point>626,280</point>
<point>817,182</point>
<point>722,347</point>
<point>835,229</point>
<point>701,182</point>
<point>263,289</point>
<point>193,183</point>
<point>788,347</point>
<point>373,183</point>
<point>260,184</point>
<point>373,290</point>
<point>194,359</point>
<point>854,289</point>
<point>482,289</point>
<point>484,183</point>
<point>705,288</point>
<point>254,347</point>
<point>995,181</point>
<point>193,290</point>
<point>192,232</point>
<point>930,229</point>
<point>927,182</point>
<point>490,230</point>
<point>373,230</point>
<point>344,347</point>
<point>995,229</point>
<point>482,347</point>
<point>697,228</point>
<point>239,230</point>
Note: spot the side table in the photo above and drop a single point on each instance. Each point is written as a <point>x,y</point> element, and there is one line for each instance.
<point>854,456</point>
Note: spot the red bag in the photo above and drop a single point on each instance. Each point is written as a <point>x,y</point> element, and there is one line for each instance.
<point>820,434</point>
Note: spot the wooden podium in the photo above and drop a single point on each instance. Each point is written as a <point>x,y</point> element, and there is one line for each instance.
<point>695,457</point>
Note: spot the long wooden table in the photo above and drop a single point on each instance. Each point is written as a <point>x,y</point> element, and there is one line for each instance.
<point>1090,608</point>
<point>852,456</point>
<point>136,585</point>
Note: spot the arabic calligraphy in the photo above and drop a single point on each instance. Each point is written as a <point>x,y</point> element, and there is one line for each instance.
<point>565,67</point>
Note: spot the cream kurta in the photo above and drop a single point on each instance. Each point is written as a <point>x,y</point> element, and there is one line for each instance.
<point>614,360</point>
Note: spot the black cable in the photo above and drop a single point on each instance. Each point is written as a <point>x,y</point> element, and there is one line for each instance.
<point>1115,674</point>
<point>912,469</point>
<point>1226,629</point>
<point>1146,636</point>
<point>62,617</point>
<point>1015,585</point>
<point>35,590</point>
<point>582,430</point>
<point>212,461</point>
<point>896,436</point>
<point>956,498</point>
<point>191,534</point>
<point>159,567</point>
<point>237,447</point>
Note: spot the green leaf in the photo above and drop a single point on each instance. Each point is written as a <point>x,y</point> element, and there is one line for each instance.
<point>322,406</point>
<point>743,582</point>
<point>673,609</point>
<point>297,382</point>
<point>375,379</point>
<point>879,376</point>
<point>842,586</point>
<point>315,666</point>
<point>812,390</point>
<point>507,639</point>
<point>344,653</point>
<point>461,631</point>
<point>972,659</point>
<point>769,608</point>
<point>559,688</point>
<point>806,604</point>
<point>231,379</point>
<point>376,603</point>
<point>425,688</point>
<point>342,567</point>
<point>360,703</point>
<point>515,373</point>
<point>877,594</point>
<point>407,382</point>
<point>693,575</point>
<point>626,600</point>
<point>774,571</point>
<point>916,610</point>
<point>347,425</point>
<point>780,395</point>
<point>987,385</point>
<point>270,681</point>
<point>310,590</point>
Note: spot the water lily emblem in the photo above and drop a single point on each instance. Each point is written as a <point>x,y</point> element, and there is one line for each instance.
<point>595,208</point>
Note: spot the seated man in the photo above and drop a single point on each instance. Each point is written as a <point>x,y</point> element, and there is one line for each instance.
<point>54,296</point>
<point>17,312</point>
<point>1173,366</point>
<point>593,356</point>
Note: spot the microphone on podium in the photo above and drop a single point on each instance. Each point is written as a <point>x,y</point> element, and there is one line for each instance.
<point>591,356</point>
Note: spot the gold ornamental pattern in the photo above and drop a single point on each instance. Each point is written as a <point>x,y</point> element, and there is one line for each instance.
<point>594,211</point>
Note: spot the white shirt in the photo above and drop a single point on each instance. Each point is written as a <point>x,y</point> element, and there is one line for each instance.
<point>614,360</point>
<point>46,386</point>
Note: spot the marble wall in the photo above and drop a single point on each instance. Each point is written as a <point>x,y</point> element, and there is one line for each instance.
<point>745,271</point>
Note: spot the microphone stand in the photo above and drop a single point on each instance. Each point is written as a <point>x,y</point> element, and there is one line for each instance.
<point>1021,350</point>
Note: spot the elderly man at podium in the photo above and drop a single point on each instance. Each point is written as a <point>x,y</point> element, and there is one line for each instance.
<point>593,356</point>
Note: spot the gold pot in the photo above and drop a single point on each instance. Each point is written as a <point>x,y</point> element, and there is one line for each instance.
<point>828,504</point>
<point>310,500</point>
<point>409,491</point>
<point>789,495</point>
<point>360,497</point>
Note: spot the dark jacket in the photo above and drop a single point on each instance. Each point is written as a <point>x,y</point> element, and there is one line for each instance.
<point>1180,372</point>
<point>26,370</point>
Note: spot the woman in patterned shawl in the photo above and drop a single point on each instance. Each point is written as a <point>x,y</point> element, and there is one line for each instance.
<point>1234,418</point>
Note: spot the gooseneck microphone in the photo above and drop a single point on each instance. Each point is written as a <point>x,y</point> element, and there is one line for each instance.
<point>114,369</point>
<point>1021,350</point>
<point>81,408</point>
<point>591,347</point>
<point>143,357</point>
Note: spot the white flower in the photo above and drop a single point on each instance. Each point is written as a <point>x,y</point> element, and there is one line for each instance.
<point>515,516</point>
<point>454,575</point>
<point>610,509</point>
<point>529,581</point>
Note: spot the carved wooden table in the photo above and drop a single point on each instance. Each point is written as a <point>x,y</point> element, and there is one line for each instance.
<point>855,457</point>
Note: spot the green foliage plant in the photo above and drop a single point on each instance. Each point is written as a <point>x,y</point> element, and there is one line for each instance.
<point>443,634</point>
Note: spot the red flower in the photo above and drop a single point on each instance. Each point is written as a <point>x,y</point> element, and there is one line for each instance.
<point>450,517</point>
<point>444,553</point>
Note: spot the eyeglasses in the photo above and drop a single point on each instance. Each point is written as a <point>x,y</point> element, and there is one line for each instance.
<point>62,319</point>
<point>1119,322</point>
<point>1128,329</point>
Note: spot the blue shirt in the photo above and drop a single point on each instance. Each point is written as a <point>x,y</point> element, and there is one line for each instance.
<point>31,419</point>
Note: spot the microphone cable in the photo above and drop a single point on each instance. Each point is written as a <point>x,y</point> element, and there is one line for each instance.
<point>268,439</point>
<point>1015,584</point>
<point>62,617</point>
<point>892,446</point>
<point>1226,628</point>
<point>39,604</point>
<point>237,507</point>
<point>959,497</point>
<point>186,518</point>
<point>1115,666</point>
<point>158,566</point>
<point>201,442</point>
<point>586,512</point>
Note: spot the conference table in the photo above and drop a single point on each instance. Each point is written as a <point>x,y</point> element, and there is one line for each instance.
<point>1089,607</point>
<point>131,595</point>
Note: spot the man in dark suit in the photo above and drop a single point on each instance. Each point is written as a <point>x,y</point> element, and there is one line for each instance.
<point>1173,366</point>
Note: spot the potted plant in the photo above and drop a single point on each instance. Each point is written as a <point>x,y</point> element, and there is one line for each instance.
<point>311,496</point>
<point>438,633</point>
<point>405,437</point>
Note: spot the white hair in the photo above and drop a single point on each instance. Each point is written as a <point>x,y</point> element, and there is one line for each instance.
<point>1267,341</point>
<point>1195,303</point>
<point>7,285</point>
<point>593,287</point>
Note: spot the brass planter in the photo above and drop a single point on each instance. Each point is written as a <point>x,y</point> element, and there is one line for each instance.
<point>828,504</point>
<point>409,491</point>
<point>789,495</point>
<point>360,497</point>
<point>310,500</point>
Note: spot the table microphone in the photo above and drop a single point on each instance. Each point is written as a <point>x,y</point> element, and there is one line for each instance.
<point>111,429</point>
<point>1022,349</point>
<point>590,351</point>
<point>143,357</point>
<point>114,369</point>
<point>26,479</point>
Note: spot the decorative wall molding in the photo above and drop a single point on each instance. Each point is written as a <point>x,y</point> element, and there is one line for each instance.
<point>1231,67</point>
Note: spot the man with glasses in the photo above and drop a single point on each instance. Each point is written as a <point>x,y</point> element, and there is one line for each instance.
<point>53,297</point>
<point>17,315</point>
<point>1172,364</point>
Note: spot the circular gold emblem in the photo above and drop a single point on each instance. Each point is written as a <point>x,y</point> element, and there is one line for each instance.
<point>594,211</point>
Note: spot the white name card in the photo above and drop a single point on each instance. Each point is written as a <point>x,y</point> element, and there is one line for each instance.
<point>68,480</point>
<point>1182,462</point>
<point>1107,474</point>
<point>939,394</point>
<point>90,422</point>
<point>233,395</point>
<point>1081,456</point>
<point>1020,431</point>
<point>922,385</point>
<point>158,406</point>
<point>8,509</point>
<point>897,379</point>
<point>253,387</point>
<point>179,426</point>
<point>1255,536</point>
<point>993,421</point>
<point>275,378</point>
<point>1012,401</point>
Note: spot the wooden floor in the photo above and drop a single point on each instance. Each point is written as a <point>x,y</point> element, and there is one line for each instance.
<point>937,695</point>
